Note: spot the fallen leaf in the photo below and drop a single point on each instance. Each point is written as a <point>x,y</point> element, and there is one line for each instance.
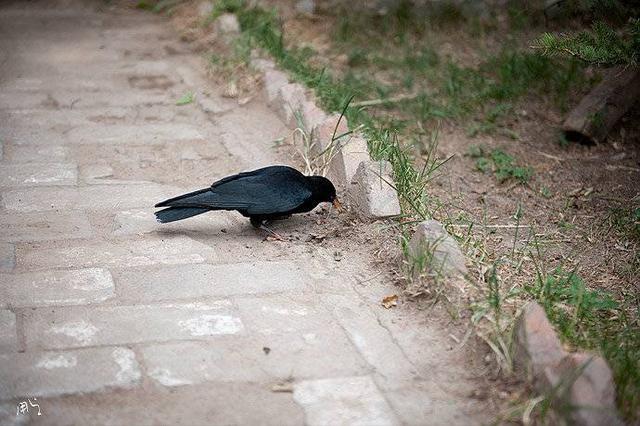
<point>390,301</point>
<point>186,99</point>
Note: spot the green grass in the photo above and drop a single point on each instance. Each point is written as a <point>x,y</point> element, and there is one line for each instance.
<point>500,164</point>
<point>486,95</point>
<point>186,99</point>
<point>593,320</point>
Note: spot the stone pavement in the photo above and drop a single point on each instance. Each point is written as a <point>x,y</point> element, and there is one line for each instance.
<point>107,317</point>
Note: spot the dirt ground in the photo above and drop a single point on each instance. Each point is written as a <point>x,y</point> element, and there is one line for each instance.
<point>578,206</point>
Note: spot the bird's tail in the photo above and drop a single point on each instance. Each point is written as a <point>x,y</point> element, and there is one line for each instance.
<point>190,198</point>
<point>178,213</point>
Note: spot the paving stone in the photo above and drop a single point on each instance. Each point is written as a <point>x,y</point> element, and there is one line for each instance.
<point>185,363</point>
<point>37,153</point>
<point>171,251</point>
<point>343,401</point>
<point>101,174</point>
<point>7,256</point>
<point>423,347</point>
<point>55,288</point>
<point>216,403</point>
<point>371,191</point>
<point>55,373</point>
<point>297,330</point>
<point>79,326</point>
<point>35,174</point>
<point>144,221</point>
<point>134,135</point>
<point>88,99</point>
<point>8,333</point>
<point>424,403</point>
<point>432,240</point>
<point>40,226</point>
<point>372,340</point>
<point>193,281</point>
<point>91,198</point>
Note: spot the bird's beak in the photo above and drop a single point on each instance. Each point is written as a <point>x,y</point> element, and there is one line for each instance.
<point>337,204</point>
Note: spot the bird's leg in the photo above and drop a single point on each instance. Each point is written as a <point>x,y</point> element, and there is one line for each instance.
<point>272,233</point>
<point>259,223</point>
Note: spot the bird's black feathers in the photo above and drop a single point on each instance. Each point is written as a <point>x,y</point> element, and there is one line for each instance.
<point>264,193</point>
<point>172,214</point>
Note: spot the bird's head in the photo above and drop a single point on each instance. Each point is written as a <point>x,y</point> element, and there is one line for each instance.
<point>324,191</point>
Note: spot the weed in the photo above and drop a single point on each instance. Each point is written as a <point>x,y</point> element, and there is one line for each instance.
<point>501,164</point>
<point>186,99</point>
<point>594,320</point>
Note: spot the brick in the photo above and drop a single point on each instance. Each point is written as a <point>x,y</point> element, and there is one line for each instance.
<point>193,281</point>
<point>426,403</point>
<point>227,24</point>
<point>312,115</point>
<point>134,135</point>
<point>345,163</point>
<point>91,198</point>
<point>225,360</point>
<point>344,401</point>
<point>140,221</point>
<point>57,373</point>
<point>216,403</point>
<point>371,192</point>
<point>421,343</point>
<point>323,134</point>
<point>37,153</point>
<point>35,174</point>
<point>7,256</point>
<point>262,64</point>
<point>86,99</point>
<point>536,344</point>
<point>273,81</point>
<point>54,288</point>
<point>40,226</point>
<point>443,252</point>
<point>584,382</point>
<point>215,105</point>
<point>297,330</point>
<point>177,250</point>
<point>373,341</point>
<point>288,103</point>
<point>79,326</point>
<point>8,333</point>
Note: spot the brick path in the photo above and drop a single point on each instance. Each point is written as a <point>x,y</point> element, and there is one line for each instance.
<point>109,318</point>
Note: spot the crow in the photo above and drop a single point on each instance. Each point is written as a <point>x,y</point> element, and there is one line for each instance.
<point>262,195</point>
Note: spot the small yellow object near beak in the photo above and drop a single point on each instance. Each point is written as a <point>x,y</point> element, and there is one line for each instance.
<point>337,204</point>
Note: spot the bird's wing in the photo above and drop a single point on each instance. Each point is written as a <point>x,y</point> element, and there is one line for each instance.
<point>254,193</point>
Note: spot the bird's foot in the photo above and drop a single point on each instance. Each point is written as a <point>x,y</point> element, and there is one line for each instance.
<point>271,235</point>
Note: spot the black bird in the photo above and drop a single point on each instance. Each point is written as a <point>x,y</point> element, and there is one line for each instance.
<point>262,195</point>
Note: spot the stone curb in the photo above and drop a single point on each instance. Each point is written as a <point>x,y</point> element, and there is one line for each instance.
<point>349,153</point>
<point>580,384</point>
<point>346,153</point>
